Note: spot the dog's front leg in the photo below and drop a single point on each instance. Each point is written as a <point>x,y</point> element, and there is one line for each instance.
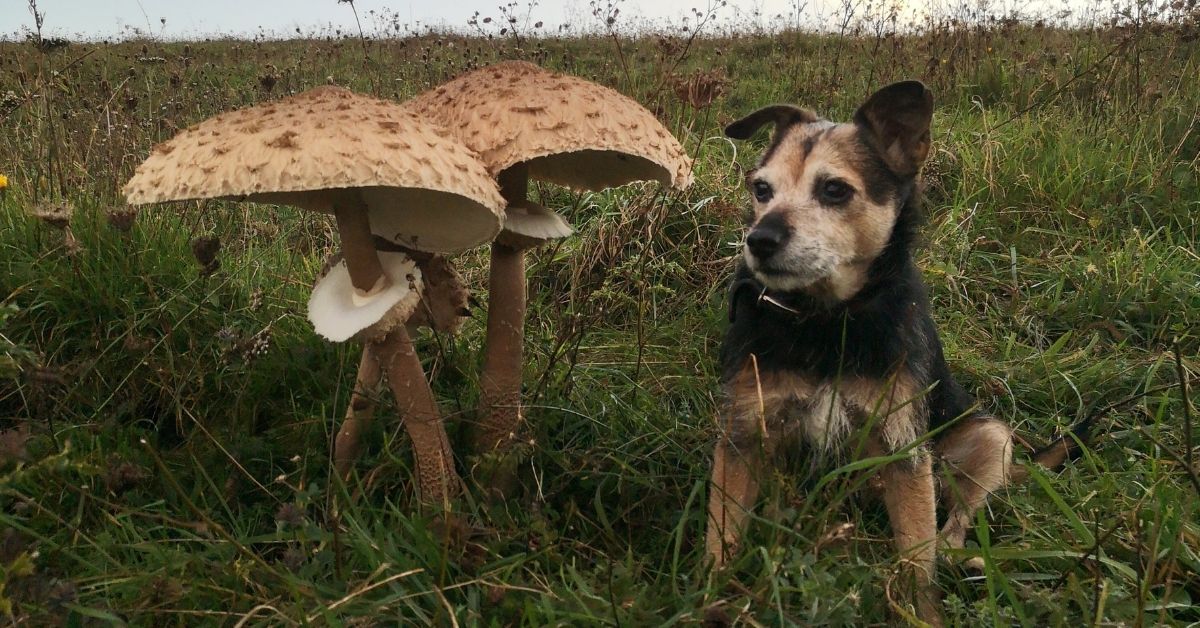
<point>908,492</point>
<point>732,493</point>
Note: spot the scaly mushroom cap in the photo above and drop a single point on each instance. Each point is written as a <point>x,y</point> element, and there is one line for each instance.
<point>570,131</point>
<point>338,317</point>
<point>422,189</point>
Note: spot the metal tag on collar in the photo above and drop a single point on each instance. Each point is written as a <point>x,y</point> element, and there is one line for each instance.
<point>763,296</point>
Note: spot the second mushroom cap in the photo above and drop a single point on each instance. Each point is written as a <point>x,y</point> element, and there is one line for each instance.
<point>568,130</point>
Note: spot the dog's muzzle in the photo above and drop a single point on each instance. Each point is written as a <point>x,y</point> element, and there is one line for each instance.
<point>784,260</point>
<point>768,237</point>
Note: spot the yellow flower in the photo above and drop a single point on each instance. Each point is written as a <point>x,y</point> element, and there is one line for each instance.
<point>3,182</point>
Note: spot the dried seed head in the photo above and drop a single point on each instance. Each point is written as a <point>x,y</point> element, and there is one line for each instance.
<point>227,336</point>
<point>269,78</point>
<point>290,515</point>
<point>121,218</point>
<point>293,558</point>
<point>70,243</point>
<point>122,476</point>
<point>701,88</point>
<point>63,592</point>
<point>13,445</point>
<point>256,346</point>
<point>205,251</point>
<point>9,102</point>
<point>57,215</point>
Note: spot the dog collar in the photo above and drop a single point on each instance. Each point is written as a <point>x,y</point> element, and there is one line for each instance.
<point>761,299</point>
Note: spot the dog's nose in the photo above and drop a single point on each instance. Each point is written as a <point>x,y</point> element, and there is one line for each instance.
<point>765,239</point>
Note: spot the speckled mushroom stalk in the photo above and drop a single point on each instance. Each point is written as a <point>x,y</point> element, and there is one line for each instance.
<point>389,352</point>
<point>437,480</point>
<point>359,414</point>
<point>441,308</point>
<point>500,385</point>
<point>362,262</point>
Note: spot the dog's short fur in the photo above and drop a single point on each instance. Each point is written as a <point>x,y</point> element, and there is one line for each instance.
<point>831,334</point>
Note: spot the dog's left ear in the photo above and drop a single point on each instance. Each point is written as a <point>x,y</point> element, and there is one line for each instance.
<point>897,120</point>
<point>782,116</point>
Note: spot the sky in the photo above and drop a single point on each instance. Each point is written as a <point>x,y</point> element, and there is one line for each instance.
<point>192,19</point>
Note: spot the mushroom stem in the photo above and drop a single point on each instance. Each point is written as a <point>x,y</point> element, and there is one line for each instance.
<point>437,480</point>
<point>354,229</point>
<point>358,415</point>
<point>500,385</point>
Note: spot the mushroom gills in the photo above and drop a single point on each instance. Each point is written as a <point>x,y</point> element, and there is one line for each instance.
<point>339,314</point>
<point>596,170</point>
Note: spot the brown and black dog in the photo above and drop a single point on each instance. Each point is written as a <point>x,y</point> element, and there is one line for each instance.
<point>831,335</point>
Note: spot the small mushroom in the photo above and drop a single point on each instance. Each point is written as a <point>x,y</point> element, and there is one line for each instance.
<point>381,171</point>
<point>338,315</point>
<point>528,123</point>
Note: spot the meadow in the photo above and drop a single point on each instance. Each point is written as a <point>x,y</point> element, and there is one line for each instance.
<point>165,430</point>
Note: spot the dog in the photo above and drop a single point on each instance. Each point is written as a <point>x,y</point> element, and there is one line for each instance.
<point>830,334</point>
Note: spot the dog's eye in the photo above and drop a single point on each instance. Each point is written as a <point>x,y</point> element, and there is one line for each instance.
<point>762,191</point>
<point>835,191</point>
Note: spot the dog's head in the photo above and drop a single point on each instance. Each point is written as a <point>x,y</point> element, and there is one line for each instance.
<point>826,196</point>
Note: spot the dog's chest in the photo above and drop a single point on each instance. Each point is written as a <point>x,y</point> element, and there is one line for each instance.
<point>823,412</point>
<point>821,415</point>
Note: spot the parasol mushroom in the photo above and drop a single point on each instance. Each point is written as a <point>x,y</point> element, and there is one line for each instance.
<point>381,171</point>
<point>527,123</point>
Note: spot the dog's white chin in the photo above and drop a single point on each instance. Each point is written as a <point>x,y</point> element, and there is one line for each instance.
<point>785,279</point>
<point>785,283</point>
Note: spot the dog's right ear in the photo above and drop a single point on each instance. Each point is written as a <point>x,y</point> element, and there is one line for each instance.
<point>897,120</point>
<point>782,115</point>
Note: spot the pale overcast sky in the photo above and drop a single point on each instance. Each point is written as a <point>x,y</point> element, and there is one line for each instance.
<point>190,19</point>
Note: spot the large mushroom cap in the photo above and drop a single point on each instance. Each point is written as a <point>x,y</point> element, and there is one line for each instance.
<point>569,131</point>
<point>422,189</point>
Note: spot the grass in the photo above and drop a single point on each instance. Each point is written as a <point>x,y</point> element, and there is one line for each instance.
<point>165,444</point>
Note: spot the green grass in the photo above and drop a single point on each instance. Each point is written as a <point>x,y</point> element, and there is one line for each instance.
<point>148,456</point>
